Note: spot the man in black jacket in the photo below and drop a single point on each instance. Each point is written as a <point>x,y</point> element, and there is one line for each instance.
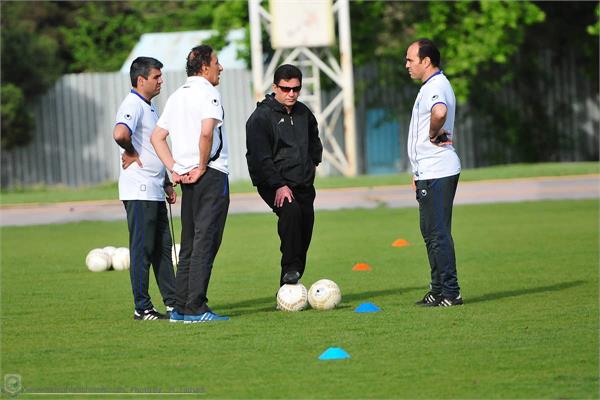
<point>283,150</point>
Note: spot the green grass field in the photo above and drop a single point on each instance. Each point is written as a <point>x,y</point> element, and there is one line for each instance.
<point>109,191</point>
<point>528,329</point>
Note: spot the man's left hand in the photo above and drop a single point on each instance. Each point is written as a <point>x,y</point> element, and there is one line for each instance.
<point>441,138</point>
<point>194,175</point>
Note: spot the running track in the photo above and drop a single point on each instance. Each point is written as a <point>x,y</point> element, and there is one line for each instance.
<point>496,191</point>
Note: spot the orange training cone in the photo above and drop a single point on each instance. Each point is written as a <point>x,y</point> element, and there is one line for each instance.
<point>400,243</point>
<point>361,267</point>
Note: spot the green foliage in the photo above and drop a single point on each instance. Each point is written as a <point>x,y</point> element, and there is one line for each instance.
<point>104,33</point>
<point>17,121</point>
<point>514,96</point>
<point>595,28</point>
<point>469,33</point>
<point>472,34</point>
<point>30,65</point>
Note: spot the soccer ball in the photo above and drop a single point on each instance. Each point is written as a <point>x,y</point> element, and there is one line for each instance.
<point>175,253</point>
<point>292,297</point>
<point>324,294</point>
<point>97,260</point>
<point>109,250</point>
<point>120,259</point>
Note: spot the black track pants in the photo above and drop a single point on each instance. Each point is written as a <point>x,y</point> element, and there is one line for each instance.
<point>294,226</point>
<point>204,207</point>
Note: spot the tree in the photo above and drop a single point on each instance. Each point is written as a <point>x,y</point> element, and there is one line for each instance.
<point>594,29</point>
<point>41,40</point>
<point>471,34</point>
<point>105,32</point>
<point>517,106</point>
<point>30,65</point>
<point>17,121</point>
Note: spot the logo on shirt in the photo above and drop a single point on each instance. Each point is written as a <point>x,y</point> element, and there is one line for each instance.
<point>435,96</point>
<point>281,121</point>
<point>423,192</point>
<point>215,102</point>
<point>127,117</point>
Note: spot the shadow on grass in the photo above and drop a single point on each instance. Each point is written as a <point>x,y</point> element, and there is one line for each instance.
<point>523,292</point>
<point>267,304</point>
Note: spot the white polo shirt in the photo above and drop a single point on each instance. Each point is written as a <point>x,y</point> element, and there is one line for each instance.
<point>147,182</point>
<point>191,103</point>
<point>429,161</point>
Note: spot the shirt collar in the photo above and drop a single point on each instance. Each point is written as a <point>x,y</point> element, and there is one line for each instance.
<point>196,78</point>
<point>141,97</point>
<point>437,73</point>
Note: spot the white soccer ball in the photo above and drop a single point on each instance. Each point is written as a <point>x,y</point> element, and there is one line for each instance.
<point>292,297</point>
<point>175,253</point>
<point>120,259</point>
<point>324,294</point>
<point>97,260</point>
<point>109,250</point>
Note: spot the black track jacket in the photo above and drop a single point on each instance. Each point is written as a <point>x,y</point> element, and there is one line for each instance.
<point>282,149</point>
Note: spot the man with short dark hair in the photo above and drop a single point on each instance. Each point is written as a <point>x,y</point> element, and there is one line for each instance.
<point>283,151</point>
<point>193,118</point>
<point>143,183</point>
<point>436,169</point>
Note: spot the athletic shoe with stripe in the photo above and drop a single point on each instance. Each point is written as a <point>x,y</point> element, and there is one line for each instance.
<point>148,315</point>
<point>175,316</point>
<point>451,301</point>
<point>430,300</point>
<point>206,317</point>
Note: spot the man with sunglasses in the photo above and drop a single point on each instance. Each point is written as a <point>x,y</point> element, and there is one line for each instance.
<point>283,150</point>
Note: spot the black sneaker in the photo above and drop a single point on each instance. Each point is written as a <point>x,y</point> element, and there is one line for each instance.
<point>430,300</point>
<point>148,315</point>
<point>451,301</point>
<point>291,278</point>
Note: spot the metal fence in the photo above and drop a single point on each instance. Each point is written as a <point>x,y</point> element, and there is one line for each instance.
<point>565,99</point>
<point>73,142</point>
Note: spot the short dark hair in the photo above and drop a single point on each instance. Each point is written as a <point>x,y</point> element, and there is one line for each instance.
<point>199,56</point>
<point>287,72</point>
<point>428,49</point>
<point>141,66</point>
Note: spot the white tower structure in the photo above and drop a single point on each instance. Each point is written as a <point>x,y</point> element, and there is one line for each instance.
<point>302,33</point>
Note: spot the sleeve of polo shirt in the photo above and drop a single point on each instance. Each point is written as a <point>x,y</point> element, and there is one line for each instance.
<point>128,115</point>
<point>435,95</point>
<point>211,107</point>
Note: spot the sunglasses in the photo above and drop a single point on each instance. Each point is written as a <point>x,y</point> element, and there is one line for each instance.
<point>287,89</point>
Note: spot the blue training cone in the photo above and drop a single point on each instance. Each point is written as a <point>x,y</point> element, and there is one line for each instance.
<point>334,353</point>
<point>366,308</point>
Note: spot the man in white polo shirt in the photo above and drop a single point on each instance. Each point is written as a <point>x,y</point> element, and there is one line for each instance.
<point>193,119</point>
<point>143,183</point>
<point>436,169</point>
